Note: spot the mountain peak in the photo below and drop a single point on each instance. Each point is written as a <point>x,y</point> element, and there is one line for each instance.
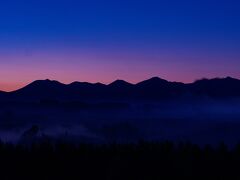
<point>156,78</point>
<point>225,79</point>
<point>46,82</point>
<point>231,78</point>
<point>153,81</point>
<point>76,83</point>
<point>120,82</point>
<point>85,84</point>
<point>41,86</point>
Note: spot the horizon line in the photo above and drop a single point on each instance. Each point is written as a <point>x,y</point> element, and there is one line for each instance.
<point>52,80</point>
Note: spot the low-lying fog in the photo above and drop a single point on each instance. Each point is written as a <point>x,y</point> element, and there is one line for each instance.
<point>205,121</point>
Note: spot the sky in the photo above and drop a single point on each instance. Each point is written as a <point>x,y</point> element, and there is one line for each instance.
<point>101,41</point>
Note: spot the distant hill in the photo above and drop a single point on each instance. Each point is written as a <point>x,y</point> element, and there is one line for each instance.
<point>154,89</point>
<point>217,87</point>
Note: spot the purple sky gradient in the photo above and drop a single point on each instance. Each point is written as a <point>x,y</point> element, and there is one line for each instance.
<point>101,41</point>
<point>108,64</point>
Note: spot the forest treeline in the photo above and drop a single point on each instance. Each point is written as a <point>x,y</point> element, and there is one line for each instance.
<point>141,161</point>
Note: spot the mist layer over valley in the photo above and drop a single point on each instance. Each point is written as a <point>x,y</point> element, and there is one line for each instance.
<point>152,110</point>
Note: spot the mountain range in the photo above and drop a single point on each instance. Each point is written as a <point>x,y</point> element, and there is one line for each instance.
<point>205,111</point>
<point>154,89</point>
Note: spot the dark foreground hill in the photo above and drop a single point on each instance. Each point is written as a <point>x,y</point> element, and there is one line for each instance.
<point>140,161</point>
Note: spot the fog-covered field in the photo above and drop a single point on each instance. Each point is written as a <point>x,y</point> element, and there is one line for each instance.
<point>202,121</point>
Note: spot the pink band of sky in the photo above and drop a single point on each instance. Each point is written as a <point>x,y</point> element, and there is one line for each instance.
<point>106,65</point>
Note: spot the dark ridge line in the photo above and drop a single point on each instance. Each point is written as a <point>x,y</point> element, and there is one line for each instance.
<point>117,81</point>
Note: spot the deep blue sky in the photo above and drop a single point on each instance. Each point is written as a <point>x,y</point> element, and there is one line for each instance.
<point>105,40</point>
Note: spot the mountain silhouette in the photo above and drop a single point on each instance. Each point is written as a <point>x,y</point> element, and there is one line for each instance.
<point>42,86</point>
<point>154,81</point>
<point>39,89</point>
<point>120,84</point>
<point>153,88</point>
<point>159,88</point>
<point>85,89</point>
<point>217,87</point>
